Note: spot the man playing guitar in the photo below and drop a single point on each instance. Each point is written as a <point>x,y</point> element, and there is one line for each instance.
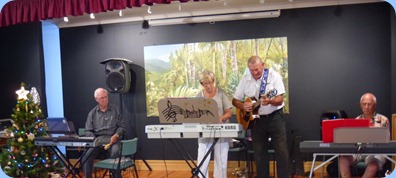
<point>270,123</point>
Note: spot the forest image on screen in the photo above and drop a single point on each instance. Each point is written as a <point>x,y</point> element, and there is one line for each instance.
<point>173,70</point>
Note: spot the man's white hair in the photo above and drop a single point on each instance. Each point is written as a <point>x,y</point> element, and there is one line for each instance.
<point>369,94</point>
<point>99,90</point>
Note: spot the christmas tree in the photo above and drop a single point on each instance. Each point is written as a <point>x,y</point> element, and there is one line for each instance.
<point>21,157</point>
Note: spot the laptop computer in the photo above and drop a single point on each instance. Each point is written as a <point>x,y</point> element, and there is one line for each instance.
<point>188,110</point>
<point>59,125</point>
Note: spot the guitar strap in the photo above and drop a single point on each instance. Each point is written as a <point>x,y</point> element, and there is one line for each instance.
<point>262,91</point>
<point>263,82</point>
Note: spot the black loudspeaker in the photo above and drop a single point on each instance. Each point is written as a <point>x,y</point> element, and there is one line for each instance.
<point>118,75</point>
<point>333,114</point>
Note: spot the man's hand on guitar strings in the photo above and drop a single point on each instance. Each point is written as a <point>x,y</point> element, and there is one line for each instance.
<point>247,106</point>
<point>264,101</point>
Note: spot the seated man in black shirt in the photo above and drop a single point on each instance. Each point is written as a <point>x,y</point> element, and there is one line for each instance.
<point>104,122</point>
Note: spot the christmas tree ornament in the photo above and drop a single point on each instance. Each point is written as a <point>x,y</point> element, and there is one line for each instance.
<point>30,137</point>
<point>7,168</point>
<point>35,95</point>
<point>20,154</point>
<point>22,93</point>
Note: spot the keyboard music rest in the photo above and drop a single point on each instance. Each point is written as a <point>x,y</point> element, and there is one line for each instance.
<point>228,130</point>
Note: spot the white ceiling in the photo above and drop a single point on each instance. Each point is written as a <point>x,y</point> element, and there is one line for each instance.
<point>199,8</point>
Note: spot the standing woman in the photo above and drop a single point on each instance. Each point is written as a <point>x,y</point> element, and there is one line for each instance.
<point>221,148</point>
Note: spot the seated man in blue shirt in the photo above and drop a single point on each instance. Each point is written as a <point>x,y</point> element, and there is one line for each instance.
<point>105,123</point>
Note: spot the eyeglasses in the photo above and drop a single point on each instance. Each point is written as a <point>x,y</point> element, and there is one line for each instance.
<point>103,97</point>
<point>206,83</point>
<point>367,104</point>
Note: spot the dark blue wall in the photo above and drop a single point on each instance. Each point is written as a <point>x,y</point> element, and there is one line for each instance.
<point>21,60</point>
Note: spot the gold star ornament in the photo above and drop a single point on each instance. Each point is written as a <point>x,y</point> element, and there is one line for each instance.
<point>22,93</point>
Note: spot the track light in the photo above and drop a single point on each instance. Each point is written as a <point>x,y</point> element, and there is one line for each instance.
<point>66,19</point>
<point>212,19</point>
<point>149,10</point>
<point>121,13</point>
<point>92,16</point>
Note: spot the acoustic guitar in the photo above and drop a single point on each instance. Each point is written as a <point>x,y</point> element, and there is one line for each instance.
<point>245,117</point>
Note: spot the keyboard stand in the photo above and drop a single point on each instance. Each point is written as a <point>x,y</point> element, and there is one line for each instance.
<point>186,156</point>
<point>195,169</point>
<point>68,165</point>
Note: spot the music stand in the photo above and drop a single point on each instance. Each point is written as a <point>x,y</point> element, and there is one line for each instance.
<point>187,111</point>
<point>196,110</point>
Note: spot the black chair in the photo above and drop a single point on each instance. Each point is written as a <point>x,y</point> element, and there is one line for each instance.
<point>251,160</point>
<point>239,146</point>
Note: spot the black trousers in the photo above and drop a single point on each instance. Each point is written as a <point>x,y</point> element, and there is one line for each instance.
<point>271,126</point>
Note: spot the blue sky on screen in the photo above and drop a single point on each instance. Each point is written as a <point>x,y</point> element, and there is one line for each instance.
<point>160,52</point>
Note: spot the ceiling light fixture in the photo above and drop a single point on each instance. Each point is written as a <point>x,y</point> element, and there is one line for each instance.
<point>92,16</point>
<point>180,8</point>
<point>215,18</point>
<point>121,13</point>
<point>262,1</point>
<point>149,10</point>
<point>66,19</point>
